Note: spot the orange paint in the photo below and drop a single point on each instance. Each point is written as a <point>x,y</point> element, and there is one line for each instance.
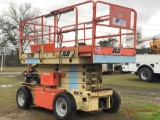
<point>114,51</point>
<point>48,47</point>
<point>49,78</point>
<point>62,75</point>
<point>44,97</point>
<point>121,14</point>
<point>35,48</point>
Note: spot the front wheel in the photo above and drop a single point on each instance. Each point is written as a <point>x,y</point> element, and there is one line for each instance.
<point>24,97</point>
<point>145,74</point>
<point>64,106</point>
<point>115,103</point>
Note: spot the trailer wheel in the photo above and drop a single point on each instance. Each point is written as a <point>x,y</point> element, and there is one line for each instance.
<point>115,103</point>
<point>64,106</point>
<point>24,97</point>
<point>145,74</point>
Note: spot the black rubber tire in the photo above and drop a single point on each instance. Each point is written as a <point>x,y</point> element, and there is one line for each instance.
<point>27,100</point>
<point>146,75</point>
<point>70,103</point>
<point>157,77</point>
<point>115,102</point>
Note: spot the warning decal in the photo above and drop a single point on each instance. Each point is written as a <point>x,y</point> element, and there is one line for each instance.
<point>119,22</point>
<point>120,16</point>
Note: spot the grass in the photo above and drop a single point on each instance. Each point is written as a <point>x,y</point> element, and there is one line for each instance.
<point>14,69</point>
<point>137,109</point>
<point>130,102</point>
<point>143,107</point>
<point>7,101</point>
<point>11,80</point>
<point>129,80</point>
<point>147,111</point>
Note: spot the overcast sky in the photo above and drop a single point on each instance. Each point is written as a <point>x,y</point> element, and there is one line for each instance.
<point>148,10</point>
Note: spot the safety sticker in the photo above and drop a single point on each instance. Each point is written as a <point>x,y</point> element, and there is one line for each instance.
<point>119,22</point>
<point>98,48</point>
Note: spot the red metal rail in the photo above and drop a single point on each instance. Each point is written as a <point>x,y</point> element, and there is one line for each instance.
<point>121,18</point>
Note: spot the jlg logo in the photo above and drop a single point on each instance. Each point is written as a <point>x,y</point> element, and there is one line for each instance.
<point>116,50</point>
<point>66,53</point>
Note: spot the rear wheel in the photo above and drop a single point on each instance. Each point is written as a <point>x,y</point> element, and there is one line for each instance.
<point>115,103</point>
<point>64,106</point>
<point>24,97</point>
<point>145,74</point>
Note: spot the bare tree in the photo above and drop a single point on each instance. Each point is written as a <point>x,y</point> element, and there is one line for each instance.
<point>9,26</point>
<point>10,20</point>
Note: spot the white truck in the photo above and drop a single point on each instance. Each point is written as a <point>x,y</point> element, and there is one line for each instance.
<point>147,67</point>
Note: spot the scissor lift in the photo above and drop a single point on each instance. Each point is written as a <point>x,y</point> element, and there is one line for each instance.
<point>69,59</point>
